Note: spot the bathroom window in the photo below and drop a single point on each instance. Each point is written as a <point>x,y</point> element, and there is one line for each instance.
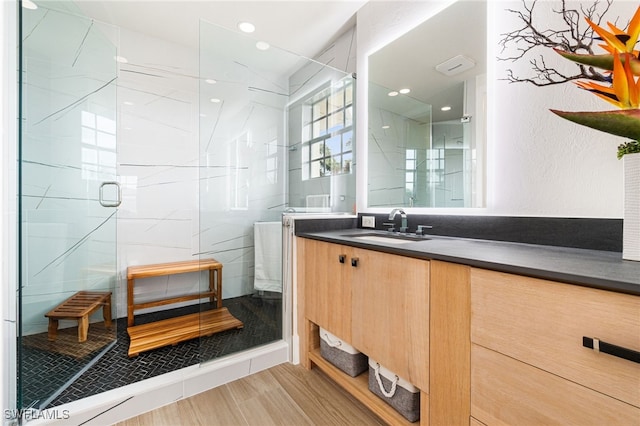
<point>98,146</point>
<point>239,154</point>
<point>272,161</point>
<point>410,172</point>
<point>327,139</point>
<point>435,158</point>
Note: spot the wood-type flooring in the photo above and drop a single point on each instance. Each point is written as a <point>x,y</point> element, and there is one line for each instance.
<point>282,395</point>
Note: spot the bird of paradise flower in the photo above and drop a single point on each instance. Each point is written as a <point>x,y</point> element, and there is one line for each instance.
<point>621,59</point>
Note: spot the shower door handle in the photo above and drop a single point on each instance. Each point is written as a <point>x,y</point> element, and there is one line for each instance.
<point>110,203</point>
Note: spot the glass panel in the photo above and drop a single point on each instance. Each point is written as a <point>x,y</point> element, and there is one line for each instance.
<point>268,96</point>
<point>320,109</point>
<point>320,128</point>
<point>335,164</point>
<point>317,150</point>
<point>242,193</point>
<point>332,145</point>
<point>347,159</point>
<point>336,121</point>
<point>67,238</point>
<point>348,116</point>
<point>347,141</point>
<point>348,94</point>
<point>336,101</point>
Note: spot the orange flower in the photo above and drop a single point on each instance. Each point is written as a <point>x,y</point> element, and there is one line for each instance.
<point>625,90</point>
<point>619,40</point>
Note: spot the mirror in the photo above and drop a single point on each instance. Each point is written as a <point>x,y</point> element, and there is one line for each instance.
<point>421,154</point>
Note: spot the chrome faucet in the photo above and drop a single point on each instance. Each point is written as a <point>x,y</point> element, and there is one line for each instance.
<point>403,215</point>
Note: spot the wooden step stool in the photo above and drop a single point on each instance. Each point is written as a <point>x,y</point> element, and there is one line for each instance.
<point>172,331</point>
<point>79,307</point>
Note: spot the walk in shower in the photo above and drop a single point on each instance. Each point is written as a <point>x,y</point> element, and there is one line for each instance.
<point>135,151</point>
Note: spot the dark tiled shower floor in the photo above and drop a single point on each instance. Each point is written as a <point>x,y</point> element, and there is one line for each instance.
<point>262,318</point>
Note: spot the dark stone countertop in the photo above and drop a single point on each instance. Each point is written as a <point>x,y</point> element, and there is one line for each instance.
<point>590,268</point>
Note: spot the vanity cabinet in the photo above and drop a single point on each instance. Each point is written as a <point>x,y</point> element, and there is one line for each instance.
<point>529,364</point>
<point>377,302</point>
<point>484,347</point>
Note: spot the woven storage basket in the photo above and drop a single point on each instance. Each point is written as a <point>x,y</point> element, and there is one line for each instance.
<point>397,392</point>
<point>341,354</point>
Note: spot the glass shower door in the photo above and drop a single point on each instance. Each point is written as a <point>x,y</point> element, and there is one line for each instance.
<point>68,196</point>
<point>254,104</point>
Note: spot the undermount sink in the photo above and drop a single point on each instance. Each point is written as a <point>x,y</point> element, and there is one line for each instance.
<point>395,238</point>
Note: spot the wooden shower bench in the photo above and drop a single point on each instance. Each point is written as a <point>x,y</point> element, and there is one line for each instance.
<point>79,307</point>
<point>172,331</point>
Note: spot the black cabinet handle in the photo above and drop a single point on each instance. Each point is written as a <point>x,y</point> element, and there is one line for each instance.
<point>342,258</point>
<point>354,262</point>
<point>607,348</point>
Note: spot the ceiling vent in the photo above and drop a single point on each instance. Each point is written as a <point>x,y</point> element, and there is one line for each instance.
<point>455,65</point>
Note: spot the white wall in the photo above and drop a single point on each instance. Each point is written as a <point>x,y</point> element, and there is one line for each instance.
<point>538,164</point>
<point>7,202</point>
<point>541,164</point>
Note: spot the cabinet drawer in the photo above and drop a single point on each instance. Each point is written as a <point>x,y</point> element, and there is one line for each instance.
<point>543,323</point>
<point>507,391</point>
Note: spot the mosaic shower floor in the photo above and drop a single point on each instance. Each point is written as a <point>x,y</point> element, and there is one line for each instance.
<point>262,318</point>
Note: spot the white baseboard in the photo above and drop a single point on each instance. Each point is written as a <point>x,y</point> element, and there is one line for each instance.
<point>137,398</point>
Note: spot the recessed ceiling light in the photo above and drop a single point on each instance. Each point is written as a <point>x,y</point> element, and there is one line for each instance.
<point>128,103</point>
<point>405,91</point>
<point>28,4</point>
<point>121,59</point>
<point>386,127</point>
<point>262,45</point>
<point>445,108</point>
<point>203,115</point>
<point>215,100</point>
<point>394,93</point>
<point>246,27</point>
<point>210,81</point>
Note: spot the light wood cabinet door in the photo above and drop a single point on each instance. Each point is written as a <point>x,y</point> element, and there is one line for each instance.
<point>390,299</point>
<point>327,286</point>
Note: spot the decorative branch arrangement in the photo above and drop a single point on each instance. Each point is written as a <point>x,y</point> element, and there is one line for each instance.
<point>574,36</point>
